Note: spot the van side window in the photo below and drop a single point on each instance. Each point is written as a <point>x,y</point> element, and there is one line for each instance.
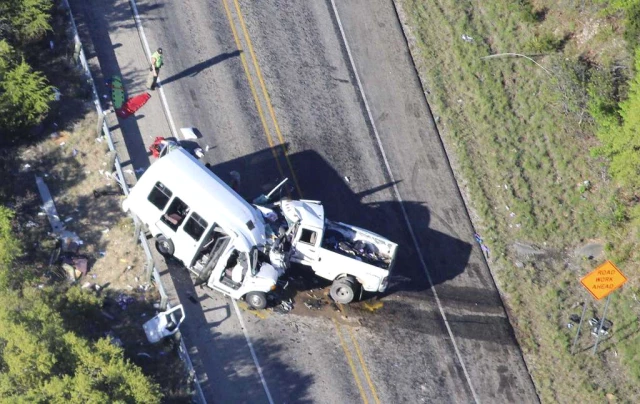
<point>195,226</point>
<point>308,236</point>
<point>176,213</point>
<point>160,195</point>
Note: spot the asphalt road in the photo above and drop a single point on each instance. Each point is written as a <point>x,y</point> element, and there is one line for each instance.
<point>253,75</point>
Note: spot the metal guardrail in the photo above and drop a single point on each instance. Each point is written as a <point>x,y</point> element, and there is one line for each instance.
<point>164,298</point>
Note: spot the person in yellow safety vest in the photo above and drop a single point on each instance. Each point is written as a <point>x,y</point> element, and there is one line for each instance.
<point>157,62</point>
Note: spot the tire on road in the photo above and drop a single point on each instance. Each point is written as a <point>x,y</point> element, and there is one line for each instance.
<point>164,246</point>
<point>344,290</point>
<point>257,300</point>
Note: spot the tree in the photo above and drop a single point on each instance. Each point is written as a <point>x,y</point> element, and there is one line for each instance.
<point>24,97</point>
<point>42,362</point>
<point>9,246</point>
<point>26,20</point>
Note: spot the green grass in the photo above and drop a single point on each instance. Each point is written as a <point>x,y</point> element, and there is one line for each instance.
<point>523,137</point>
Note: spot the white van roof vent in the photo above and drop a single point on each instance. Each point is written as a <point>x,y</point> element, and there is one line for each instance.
<point>250,225</point>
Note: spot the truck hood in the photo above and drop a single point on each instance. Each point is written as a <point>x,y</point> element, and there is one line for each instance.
<point>309,212</point>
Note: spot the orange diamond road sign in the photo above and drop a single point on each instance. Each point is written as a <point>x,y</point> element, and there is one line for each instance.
<point>603,280</point>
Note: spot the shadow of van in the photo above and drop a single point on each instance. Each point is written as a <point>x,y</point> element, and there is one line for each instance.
<point>445,257</point>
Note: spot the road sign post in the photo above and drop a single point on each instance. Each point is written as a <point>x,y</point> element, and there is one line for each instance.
<point>575,340</point>
<point>604,315</point>
<point>601,282</point>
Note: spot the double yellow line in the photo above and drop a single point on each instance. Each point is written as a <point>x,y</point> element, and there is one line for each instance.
<point>265,93</point>
<point>265,126</point>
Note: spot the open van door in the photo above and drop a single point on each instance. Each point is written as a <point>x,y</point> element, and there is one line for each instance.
<point>219,246</point>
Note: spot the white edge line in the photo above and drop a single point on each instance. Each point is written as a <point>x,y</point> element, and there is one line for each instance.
<point>253,352</point>
<point>175,133</point>
<point>404,212</point>
<point>147,51</point>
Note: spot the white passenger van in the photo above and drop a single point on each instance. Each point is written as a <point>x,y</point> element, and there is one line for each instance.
<point>198,219</point>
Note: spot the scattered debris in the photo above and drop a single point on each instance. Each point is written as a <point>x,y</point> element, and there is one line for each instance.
<point>144,354</point>
<point>31,224</point>
<point>107,315</point>
<point>313,303</point>
<point>164,324</point>
<point>347,179</point>
<point>189,133</point>
<point>467,38</point>
<point>124,301</point>
<point>113,339</point>
<point>373,306</point>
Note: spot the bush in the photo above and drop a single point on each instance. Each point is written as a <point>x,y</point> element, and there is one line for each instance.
<point>619,132</point>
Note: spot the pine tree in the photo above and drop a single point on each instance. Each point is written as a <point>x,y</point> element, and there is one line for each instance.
<point>42,362</point>
<point>26,20</point>
<point>9,245</point>
<point>24,97</point>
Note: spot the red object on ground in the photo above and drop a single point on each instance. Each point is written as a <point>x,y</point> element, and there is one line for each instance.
<point>155,146</point>
<point>131,105</point>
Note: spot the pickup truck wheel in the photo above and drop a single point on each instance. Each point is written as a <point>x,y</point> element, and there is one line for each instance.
<point>165,246</point>
<point>343,291</point>
<point>257,300</point>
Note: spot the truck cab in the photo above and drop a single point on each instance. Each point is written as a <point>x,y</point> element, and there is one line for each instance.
<point>354,259</point>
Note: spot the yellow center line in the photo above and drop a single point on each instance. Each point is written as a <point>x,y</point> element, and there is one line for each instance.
<point>351,364</point>
<point>252,87</point>
<point>364,367</point>
<point>293,174</point>
<point>266,96</point>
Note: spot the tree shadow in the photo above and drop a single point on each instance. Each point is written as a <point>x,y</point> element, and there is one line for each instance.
<point>94,27</point>
<point>197,68</point>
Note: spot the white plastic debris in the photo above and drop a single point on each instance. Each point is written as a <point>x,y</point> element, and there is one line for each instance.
<point>199,152</point>
<point>188,133</point>
<point>164,324</point>
<point>347,179</point>
<point>56,94</point>
<point>67,220</point>
<point>467,38</point>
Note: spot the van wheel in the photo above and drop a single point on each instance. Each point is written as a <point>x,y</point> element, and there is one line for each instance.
<point>257,300</point>
<point>164,246</point>
<point>343,290</point>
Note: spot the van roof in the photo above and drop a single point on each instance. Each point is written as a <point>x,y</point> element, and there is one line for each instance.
<point>206,194</point>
